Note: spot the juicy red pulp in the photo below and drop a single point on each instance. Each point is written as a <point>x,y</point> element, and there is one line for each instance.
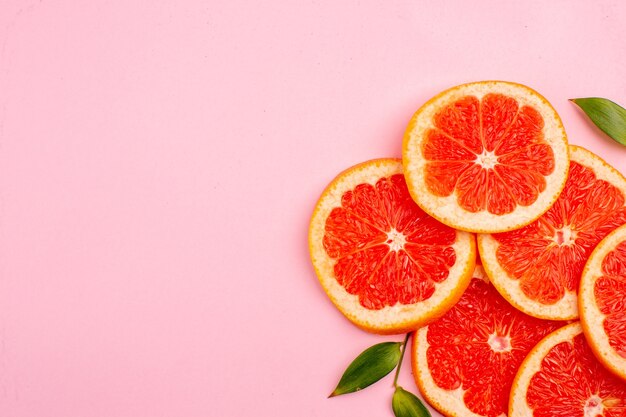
<point>478,347</point>
<point>570,380</point>
<point>610,295</point>
<point>380,273</point>
<point>548,255</point>
<point>491,151</point>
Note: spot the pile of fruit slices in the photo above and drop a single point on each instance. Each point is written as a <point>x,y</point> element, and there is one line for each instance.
<point>502,246</point>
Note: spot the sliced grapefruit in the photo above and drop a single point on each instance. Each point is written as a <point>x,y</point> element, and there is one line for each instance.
<point>385,264</point>
<point>486,157</point>
<point>561,377</point>
<point>602,301</point>
<point>464,362</point>
<point>538,267</point>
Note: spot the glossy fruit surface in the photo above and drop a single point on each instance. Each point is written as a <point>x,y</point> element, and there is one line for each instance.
<point>465,361</point>
<point>386,264</point>
<point>602,301</point>
<point>538,267</point>
<point>561,377</point>
<point>486,157</point>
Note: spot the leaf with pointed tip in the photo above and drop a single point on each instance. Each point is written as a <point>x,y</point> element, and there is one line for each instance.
<point>370,366</point>
<point>406,404</point>
<point>608,116</point>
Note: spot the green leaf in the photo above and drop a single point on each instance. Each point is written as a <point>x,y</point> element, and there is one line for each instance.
<point>406,404</point>
<point>370,366</point>
<point>608,116</point>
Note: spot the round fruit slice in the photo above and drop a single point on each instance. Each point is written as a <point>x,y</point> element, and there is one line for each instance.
<point>561,377</point>
<point>486,157</point>
<point>602,301</point>
<point>538,267</point>
<point>385,264</point>
<point>464,362</point>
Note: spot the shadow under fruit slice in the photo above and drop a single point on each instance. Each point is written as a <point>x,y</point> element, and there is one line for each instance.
<point>464,362</point>
<point>387,266</point>
<point>561,377</point>
<point>602,302</point>
<point>486,157</point>
<point>537,268</point>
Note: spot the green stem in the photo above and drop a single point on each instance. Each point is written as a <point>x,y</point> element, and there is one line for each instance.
<point>395,380</point>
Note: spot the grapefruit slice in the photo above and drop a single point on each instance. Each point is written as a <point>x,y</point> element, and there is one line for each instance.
<point>464,362</point>
<point>561,377</point>
<point>486,157</point>
<point>538,267</point>
<point>385,264</point>
<point>602,301</point>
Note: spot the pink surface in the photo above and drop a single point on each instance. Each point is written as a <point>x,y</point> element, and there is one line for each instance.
<point>159,164</point>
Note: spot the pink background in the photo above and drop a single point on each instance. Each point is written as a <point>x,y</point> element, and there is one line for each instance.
<point>159,161</point>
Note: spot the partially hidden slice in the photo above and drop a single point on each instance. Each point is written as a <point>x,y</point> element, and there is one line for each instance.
<point>602,301</point>
<point>561,377</point>
<point>538,267</point>
<point>385,264</point>
<point>486,157</point>
<point>464,362</point>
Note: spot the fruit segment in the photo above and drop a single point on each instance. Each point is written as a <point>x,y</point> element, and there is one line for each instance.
<point>562,377</point>
<point>610,295</point>
<point>538,267</point>
<point>385,263</point>
<point>387,249</point>
<point>465,361</point>
<point>602,301</point>
<point>556,247</point>
<point>486,157</point>
<point>501,147</point>
<point>571,381</point>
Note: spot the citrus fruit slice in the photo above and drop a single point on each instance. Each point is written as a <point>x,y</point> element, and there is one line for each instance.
<point>464,362</point>
<point>538,267</point>
<point>602,301</point>
<point>486,157</point>
<point>385,264</point>
<point>561,377</point>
